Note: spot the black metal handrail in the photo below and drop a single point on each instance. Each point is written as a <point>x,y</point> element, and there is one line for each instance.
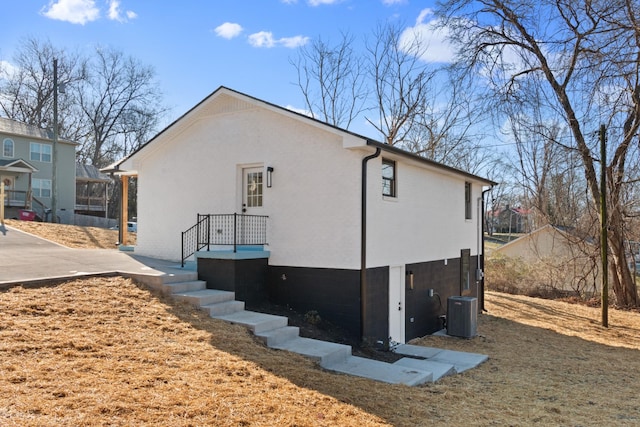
<point>224,230</point>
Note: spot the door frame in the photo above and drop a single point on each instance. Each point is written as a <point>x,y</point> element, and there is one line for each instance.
<point>241,194</point>
<point>397,304</point>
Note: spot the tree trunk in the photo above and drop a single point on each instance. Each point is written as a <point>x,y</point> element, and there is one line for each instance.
<point>624,284</point>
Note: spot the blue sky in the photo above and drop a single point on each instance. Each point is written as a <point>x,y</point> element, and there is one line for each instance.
<point>196,46</point>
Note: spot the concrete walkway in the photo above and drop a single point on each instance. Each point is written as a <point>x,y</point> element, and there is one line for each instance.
<point>27,258</point>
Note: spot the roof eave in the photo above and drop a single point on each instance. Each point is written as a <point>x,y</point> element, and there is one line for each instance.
<point>406,154</point>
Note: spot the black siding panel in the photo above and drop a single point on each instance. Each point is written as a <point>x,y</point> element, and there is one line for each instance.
<point>425,310</point>
<point>333,293</point>
<point>376,326</point>
<point>244,277</point>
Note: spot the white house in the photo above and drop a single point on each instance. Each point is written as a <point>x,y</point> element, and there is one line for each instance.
<point>571,262</point>
<point>373,238</point>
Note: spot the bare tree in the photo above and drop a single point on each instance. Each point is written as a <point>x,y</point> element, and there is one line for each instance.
<point>120,103</point>
<point>587,56</point>
<point>446,125</point>
<point>400,80</point>
<point>331,80</point>
<point>108,102</point>
<point>26,87</point>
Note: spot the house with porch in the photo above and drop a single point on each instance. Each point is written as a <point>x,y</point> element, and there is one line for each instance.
<point>26,169</point>
<point>277,206</point>
<point>92,188</point>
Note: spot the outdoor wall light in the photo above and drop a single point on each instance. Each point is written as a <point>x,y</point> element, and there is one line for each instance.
<point>410,279</point>
<point>269,176</point>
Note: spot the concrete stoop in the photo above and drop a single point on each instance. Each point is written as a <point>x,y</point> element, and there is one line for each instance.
<point>422,364</point>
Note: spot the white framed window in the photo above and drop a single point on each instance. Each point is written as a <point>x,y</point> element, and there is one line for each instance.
<point>8,148</point>
<point>41,187</point>
<point>254,189</point>
<point>40,152</point>
<point>388,178</point>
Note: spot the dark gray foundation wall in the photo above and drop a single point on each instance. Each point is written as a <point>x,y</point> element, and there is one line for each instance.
<point>335,293</point>
<point>245,277</point>
<point>422,311</point>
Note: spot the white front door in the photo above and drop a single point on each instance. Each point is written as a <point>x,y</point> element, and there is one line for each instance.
<point>252,190</point>
<point>396,304</point>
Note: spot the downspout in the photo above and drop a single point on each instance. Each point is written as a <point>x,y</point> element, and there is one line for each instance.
<point>363,243</point>
<point>481,259</point>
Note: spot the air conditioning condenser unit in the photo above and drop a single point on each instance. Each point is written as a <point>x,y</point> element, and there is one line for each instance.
<point>462,316</point>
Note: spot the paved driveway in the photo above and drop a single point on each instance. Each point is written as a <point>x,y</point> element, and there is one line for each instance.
<point>25,258</point>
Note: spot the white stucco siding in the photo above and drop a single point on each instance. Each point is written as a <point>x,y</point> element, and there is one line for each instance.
<point>313,206</point>
<point>425,222</point>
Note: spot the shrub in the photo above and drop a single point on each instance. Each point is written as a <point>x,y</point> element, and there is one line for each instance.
<point>312,317</point>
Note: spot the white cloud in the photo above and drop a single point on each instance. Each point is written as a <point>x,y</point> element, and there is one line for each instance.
<point>228,30</point>
<point>7,69</point>
<point>74,11</point>
<point>289,1</point>
<point>262,39</point>
<point>302,111</point>
<point>265,39</point>
<point>431,36</point>
<point>116,15</point>
<point>319,2</point>
<point>392,2</point>
<point>293,42</point>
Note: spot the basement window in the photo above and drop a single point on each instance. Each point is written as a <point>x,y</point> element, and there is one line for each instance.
<point>388,178</point>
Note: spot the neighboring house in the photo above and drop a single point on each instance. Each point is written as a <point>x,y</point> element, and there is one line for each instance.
<point>91,191</point>
<point>510,220</point>
<point>572,262</point>
<point>26,169</point>
<point>331,221</point>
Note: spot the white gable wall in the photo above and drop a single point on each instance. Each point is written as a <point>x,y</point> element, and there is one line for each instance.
<point>195,167</point>
<point>425,222</point>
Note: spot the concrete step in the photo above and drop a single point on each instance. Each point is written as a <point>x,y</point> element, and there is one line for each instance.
<point>326,353</point>
<point>256,322</point>
<point>204,297</point>
<point>222,308</point>
<point>156,281</point>
<point>381,371</point>
<point>181,287</point>
<point>460,360</point>
<point>437,369</point>
<point>279,336</point>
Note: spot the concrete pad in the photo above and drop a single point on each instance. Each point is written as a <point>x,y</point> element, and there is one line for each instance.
<point>28,258</point>
<point>381,371</point>
<point>462,361</point>
<point>416,351</point>
<point>326,353</point>
<point>437,369</point>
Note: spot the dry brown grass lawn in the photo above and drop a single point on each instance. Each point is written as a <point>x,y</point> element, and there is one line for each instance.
<point>71,236</point>
<point>105,351</point>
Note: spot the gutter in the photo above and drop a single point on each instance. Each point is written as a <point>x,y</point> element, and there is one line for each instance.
<point>363,242</point>
<point>481,262</point>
